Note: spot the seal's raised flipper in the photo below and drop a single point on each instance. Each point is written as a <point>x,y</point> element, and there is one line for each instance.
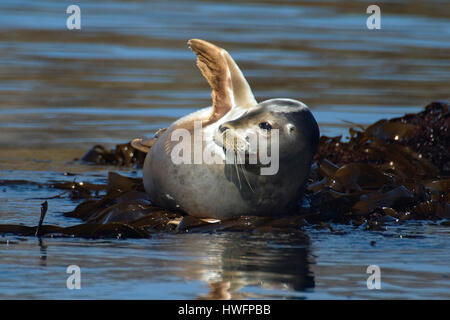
<point>229,87</point>
<point>242,93</point>
<point>214,67</point>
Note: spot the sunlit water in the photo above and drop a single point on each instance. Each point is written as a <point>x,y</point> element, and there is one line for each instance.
<point>128,72</point>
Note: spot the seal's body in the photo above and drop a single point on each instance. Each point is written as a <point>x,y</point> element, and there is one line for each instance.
<point>221,189</point>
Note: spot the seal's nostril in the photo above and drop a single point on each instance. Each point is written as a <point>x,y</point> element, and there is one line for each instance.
<point>223,128</point>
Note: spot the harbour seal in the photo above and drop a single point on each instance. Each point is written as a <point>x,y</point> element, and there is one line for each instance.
<point>221,189</point>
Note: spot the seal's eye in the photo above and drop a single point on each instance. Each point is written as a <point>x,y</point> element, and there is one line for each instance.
<point>290,127</point>
<point>265,126</point>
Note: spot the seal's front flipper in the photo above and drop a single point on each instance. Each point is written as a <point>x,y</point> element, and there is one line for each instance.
<point>228,84</point>
<point>213,65</point>
<point>242,93</point>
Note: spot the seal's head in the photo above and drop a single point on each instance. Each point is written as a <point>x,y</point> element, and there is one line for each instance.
<point>297,130</point>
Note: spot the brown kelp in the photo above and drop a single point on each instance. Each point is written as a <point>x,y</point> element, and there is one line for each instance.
<point>121,155</point>
<point>396,168</point>
<point>392,171</point>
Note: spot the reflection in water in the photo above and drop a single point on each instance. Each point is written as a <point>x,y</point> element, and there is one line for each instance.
<point>234,263</point>
<point>413,260</point>
<point>43,249</point>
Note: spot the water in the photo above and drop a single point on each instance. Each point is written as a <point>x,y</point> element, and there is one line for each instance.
<point>128,72</point>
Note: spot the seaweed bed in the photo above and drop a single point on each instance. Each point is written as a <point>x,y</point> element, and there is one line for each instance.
<point>394,170</point>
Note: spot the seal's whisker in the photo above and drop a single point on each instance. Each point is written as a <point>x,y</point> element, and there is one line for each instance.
<point>237,170</point>
<point>245,175</point>
<point>223,137</point>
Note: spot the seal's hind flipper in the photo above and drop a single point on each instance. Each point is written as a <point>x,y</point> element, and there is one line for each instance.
<point>143,145</point>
